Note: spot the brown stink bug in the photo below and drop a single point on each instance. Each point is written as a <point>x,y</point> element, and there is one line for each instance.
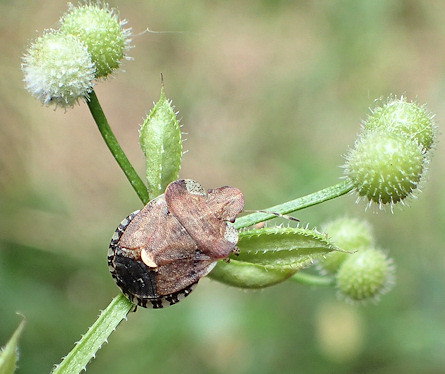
<point>158,254</point>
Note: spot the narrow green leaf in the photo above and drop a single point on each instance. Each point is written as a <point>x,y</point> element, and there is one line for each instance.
<point>9,354</point>
<point>160,140</point>
<point>271,255</point>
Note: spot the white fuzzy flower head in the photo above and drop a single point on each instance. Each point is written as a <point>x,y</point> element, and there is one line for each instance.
<point>98,26</point>
<point>58,69</point>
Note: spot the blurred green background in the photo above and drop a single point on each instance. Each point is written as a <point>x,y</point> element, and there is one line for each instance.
<point>271,94</point>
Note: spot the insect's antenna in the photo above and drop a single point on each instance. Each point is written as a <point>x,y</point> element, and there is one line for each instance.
<point>285,216</point>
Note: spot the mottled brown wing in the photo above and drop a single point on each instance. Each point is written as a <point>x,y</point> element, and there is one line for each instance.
<point>203,219</point>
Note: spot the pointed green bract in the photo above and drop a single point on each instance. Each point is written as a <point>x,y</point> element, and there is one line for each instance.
<point>160,139</point>
<point>271,255</point>
<point>9,354</point>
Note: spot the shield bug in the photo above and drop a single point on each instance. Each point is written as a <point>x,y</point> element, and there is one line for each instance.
<point>158,254</point>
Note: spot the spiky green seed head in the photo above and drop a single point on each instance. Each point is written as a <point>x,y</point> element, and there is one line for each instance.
<point>384,167</point>
<point>404,118</point>
<point>99,28</point>
<point>365,275</point>
<point>58,69</point>
<point>349,234</point>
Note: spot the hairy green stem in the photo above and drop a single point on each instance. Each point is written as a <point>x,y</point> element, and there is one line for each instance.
<point>86,348</point>
<point>312,280</point>
<point>315,198</point>
<point>116,150</point>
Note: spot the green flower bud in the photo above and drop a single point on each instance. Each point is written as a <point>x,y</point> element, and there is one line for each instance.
<point>349,234</point>
<point>365,275</point>
<point>384,167</point>
<point>58,69</point>
<point>99,28</point>
<point>404,118</point>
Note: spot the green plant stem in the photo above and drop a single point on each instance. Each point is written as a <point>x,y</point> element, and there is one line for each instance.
<point>312,280</point>
<point>86,348</point>
<point>116,150</point>
<point>315,198</point>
